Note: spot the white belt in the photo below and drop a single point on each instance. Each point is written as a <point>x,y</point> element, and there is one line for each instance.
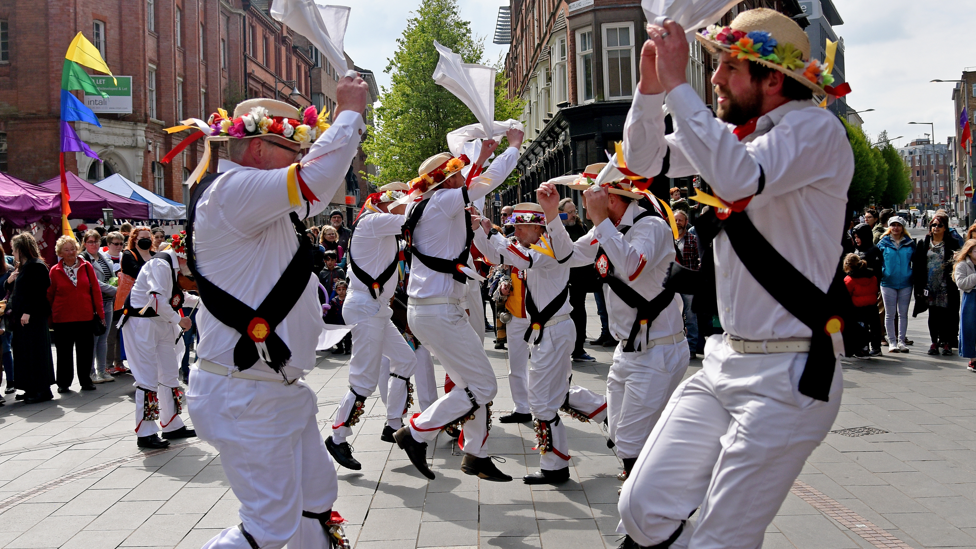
<point>768,346</point>
<point>557,319</point>
<point>214,368</point>
<point>672,339</point>
<point>433,301</point>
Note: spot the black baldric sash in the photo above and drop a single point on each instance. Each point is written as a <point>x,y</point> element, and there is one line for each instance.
<point>175,299</point>
<point>647,310</point>
<point>446,266</point>
<point>257,326</point>
<point>539,318</point>
<point>375,285</point>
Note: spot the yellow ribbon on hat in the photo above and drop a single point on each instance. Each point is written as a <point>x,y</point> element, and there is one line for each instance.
<point>293,194</point>
<point>829,55</point>
<point>544,249</point>
<point>708,200</point>
<point>671,221</point>
<point>197,124</point>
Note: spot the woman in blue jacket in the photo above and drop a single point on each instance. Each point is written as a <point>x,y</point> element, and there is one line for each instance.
<point>896,281</point>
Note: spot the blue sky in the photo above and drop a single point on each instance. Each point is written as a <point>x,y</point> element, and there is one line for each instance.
<point>893,49</point>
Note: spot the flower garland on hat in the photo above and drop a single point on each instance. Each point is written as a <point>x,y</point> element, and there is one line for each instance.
<point>424,182</point>
<point>178,244</point>
<point>259,122</point>
<point>761,46</point>
<point>531,218</point>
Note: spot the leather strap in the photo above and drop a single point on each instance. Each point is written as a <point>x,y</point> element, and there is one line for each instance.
<point>375,285</point>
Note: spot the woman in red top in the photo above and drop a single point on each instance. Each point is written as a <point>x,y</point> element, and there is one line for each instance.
<point>73,291</point>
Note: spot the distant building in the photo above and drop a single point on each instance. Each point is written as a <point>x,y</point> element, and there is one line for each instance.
<point>928,165</point>
<point>823,17</point>
<point>963,96</point>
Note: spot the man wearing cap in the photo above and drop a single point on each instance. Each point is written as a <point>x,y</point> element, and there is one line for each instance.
<point>152,326</point>
<point>337,219</point>
<point>373,259</point>
<point>551,332</point>
<point>735,435</point>
<point>439,233</point>
<point>261,317</point>
<point>633,248</point>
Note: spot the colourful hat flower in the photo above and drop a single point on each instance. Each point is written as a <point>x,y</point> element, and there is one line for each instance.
<point>178,244</point>
<point>527,213</point>
<point>435,170</point>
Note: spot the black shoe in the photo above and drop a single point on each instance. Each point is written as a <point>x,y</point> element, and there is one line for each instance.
<point>387,435</point>
<point>500,345</point>
<point>692,355</point>
<point>342,453</point>
<point>152,442</point>
<point>628,467</point>
<point>547,477</point>
<point>483,468</point>
<point>875,352</point>
<point>600,340</point>
<point>10,390</point>
<point>909,342</point>
<point>34,399</point>
<point>416,451</point>
<point>63,390</point>
<point>182,432</point>
<point>946,351</point>
<point>337,350</point>
<point>610,342</point>
<point>933,350</point>
<point>628,543</point>
<point>515,417</point>
<point>20,396</point>
<point>87,387</point>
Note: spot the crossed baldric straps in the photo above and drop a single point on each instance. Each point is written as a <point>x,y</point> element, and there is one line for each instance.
<point>375,285</point>
<point>452,267</point>
<point>257,326</point>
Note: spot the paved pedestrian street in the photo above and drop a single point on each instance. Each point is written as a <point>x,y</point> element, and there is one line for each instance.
<point>903,476</point>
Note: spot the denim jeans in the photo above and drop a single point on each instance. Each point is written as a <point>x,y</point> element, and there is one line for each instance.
<point>8,358</point>
<point>601,309</point>
<point>101,343</point>
<point>188,337</point>
<point>691,322</point>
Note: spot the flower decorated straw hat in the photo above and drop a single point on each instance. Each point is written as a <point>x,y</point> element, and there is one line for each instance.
<point>435,170</point>
<point>179,244</point>
<point>604,174</point>
<point>774,40</point>
<point>527,213</point>
<point>394,186</point>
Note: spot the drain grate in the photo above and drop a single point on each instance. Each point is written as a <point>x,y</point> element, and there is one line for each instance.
<point>859,431</point>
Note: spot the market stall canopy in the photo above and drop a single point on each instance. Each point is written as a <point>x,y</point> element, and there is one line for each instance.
<point>22,203</point>
<point>160,207</point>
<point>88,200</point>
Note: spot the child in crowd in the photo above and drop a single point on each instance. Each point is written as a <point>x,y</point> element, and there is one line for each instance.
<point>331,273</point>
<point>862,284</point>
<point>334,316</point>
<point>964,274</point>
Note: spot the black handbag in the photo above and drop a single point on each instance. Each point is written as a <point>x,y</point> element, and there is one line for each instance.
<point>98,327</point>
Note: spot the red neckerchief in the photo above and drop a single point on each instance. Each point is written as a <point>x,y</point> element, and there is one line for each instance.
<point>745,130</point>
<point>741,131</point>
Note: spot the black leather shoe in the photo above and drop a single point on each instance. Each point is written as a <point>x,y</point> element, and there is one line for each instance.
<point>610,342</point>
<point>152,442</point>
<point>87,387</point>
<point>182,432</point>
<point>387,435</point>
<point>63,390</point>
<point>416,451</point>
<point>342,453</point>
<point>628,467</point>
<point>20,396</point>
<point>483,468</point>
<point>547,477</point>
<point>599,341</point>
<point>515,417</point>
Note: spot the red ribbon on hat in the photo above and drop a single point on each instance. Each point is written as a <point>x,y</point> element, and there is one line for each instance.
<point>838,91</point>
<point>183,144</point>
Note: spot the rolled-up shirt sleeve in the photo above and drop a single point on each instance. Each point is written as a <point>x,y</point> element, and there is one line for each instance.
<point>645,145</point>
<point>494,176</point>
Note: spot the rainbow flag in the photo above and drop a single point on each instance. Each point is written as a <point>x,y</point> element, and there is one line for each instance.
<point>80,53</point>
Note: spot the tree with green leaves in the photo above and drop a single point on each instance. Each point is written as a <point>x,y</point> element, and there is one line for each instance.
<point>899,184</point>
<point>880,176</point>
<point>865,172</point>
<point>415,114</point>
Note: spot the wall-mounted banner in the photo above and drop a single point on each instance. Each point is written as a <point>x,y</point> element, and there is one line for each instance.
<point>119,100</point>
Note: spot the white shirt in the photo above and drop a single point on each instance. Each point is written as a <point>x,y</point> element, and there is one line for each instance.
<point>641,259</point>
<point>441,231</point>
<point>808,164</point>
<point>545,277</point>
<point>374,246</point>
<point>154,286</point>
<point>243,240</point>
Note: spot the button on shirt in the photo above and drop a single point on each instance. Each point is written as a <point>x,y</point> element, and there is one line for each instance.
<point>154,287</point>
<point>641,259</point>
<point>545,277</point>
<point>243,240</point>
<point>808,165</point>
<point>374,246</point>
<point>441,231</point>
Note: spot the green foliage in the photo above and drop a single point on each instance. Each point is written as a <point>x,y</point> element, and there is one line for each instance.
<point>415,114</point>
<point>865,172</point>
<point>881,175</point>
<point>899,183</point>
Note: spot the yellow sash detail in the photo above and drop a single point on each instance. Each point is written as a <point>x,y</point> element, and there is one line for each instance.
<point>293,195</point>
<point>544,249</point>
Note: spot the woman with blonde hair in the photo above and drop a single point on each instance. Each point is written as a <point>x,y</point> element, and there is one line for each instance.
<point>964,274</point>
<point>28,313</point>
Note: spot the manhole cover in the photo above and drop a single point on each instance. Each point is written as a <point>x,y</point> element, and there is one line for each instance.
<point>859,431</point>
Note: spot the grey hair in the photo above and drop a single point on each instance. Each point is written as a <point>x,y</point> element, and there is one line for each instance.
<point>236,149</point>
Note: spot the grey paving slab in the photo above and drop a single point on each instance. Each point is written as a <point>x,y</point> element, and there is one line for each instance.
<point>459,533</point>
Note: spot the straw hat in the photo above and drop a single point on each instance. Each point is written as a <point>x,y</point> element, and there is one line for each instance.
<point>394,186</point>
<point>437,169</point>
<point>771,39</point>
<point>527,213</point>
<point>604,174</point>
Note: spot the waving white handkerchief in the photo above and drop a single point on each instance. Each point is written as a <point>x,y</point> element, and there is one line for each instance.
<point>324,25</point>
<point>473,84</point>
<point>690,14</point>
<point>458,139</point>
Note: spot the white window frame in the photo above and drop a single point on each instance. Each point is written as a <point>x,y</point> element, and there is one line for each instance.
<point>151,92</point>
<point>179,28</point>
<point>98,36</point>
<point>151,15</point>
<point>560,76</point>
<point>203,32</point>
<point>179,99</point>
<point>629,25</point>
<point>580,79</point>
<point>203,104</point>
<point>223,53</point>
<point>159,179</point>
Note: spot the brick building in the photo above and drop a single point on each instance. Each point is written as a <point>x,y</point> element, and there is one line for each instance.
<point>575,66</point>
<point>963,96</point>
<point>928,165</point>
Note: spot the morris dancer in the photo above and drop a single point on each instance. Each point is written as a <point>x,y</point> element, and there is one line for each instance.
<point>373,259</point>
<point>440,234</point>
<point>636,247</point>
<point>735,435</point>
<point>261,317</point>
<point>151,328</point>
<point>551,332</point>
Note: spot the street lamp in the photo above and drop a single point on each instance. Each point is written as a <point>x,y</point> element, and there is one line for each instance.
<point>889,140</point>
<point>930,124</point>
<point>937,80</point>
<point>293,84</point>
<point>865,110</point>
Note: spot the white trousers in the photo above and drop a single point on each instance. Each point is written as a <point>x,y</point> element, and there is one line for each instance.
<point>476,308</point>
<point>518,362</point>
<point>549,371</point>
<point>154,352</point>
<point>273,456</point>
<point>732,440</point>
<point>424,376</point>
<point>638,386</point>
<point>446,332</point>
<point>373,337</point>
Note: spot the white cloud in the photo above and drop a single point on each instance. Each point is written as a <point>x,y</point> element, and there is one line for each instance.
<point>893,48</point>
